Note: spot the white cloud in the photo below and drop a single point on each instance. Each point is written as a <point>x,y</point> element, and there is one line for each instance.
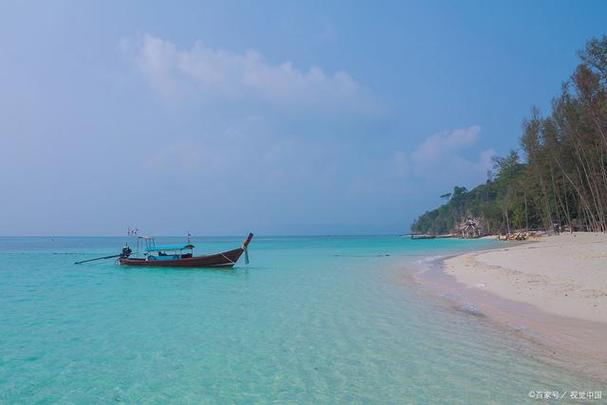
<point>241,76</point>
<point>440,158</point>
<point>446,143</point>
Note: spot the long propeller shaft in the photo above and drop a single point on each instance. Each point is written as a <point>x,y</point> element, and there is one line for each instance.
<point>98,258</point>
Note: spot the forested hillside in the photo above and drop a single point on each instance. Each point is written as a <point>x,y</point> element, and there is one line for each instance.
<point>563,179</point>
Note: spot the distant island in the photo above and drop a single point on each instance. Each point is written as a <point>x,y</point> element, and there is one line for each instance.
<point>562,182</point>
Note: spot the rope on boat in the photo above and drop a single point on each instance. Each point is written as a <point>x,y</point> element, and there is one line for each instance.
<point>227,258</point>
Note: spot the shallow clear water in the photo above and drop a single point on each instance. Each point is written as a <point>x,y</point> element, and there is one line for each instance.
<point>311,319</point>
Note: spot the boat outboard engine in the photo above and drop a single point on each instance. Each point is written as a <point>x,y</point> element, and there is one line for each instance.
<point>126,251</point>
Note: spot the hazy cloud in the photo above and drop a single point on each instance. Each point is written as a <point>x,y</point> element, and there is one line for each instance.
<point>445,143</point>
<point>242,76</point>
<point>442,157</point>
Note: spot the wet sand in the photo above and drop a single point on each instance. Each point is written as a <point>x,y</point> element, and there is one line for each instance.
<point>552,292</point>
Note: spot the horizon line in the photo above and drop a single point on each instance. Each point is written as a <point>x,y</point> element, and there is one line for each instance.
<point>207,236</point>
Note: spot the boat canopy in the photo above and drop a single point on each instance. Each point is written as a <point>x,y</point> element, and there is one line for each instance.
<point>169,247</point>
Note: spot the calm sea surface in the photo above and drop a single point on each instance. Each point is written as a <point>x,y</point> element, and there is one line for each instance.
<point>310,320</point>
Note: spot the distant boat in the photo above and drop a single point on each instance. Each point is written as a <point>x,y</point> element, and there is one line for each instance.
<point>182,255</point>
<point>423,236</point>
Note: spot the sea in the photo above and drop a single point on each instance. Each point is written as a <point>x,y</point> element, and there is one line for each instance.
<point>319,320</point>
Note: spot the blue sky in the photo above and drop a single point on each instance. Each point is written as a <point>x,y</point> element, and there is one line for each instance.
<point>276,117</point>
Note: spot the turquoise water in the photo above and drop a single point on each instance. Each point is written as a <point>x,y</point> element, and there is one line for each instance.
<point>310,320</point>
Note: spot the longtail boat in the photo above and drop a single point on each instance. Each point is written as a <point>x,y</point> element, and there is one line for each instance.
<point>423,237</point>
<point>182,255</point>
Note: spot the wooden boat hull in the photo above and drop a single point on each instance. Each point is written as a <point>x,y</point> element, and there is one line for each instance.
<point>227,258</point>
<point>223,259</point>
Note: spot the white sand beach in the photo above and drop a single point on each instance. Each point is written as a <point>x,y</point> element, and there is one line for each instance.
<point>563,275</point>
<point>552,291</point>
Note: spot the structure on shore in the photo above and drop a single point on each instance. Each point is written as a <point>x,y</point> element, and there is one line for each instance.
<point>470,229</point>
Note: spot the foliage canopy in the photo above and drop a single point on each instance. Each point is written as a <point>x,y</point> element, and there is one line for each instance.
<point>564,179</point>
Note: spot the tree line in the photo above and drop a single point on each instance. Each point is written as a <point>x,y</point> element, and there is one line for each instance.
<point>561,180</point>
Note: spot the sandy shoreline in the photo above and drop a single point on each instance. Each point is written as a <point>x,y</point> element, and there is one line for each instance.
<point>553,292</point>
<point>564,275</point>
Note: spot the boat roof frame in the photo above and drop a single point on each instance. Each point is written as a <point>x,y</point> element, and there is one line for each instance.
<point>164,248</point>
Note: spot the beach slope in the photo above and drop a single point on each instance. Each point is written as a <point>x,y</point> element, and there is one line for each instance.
<point>563,275</point>
<point>552,291</point>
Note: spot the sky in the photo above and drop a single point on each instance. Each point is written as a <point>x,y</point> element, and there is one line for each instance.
<point>277,117</point>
